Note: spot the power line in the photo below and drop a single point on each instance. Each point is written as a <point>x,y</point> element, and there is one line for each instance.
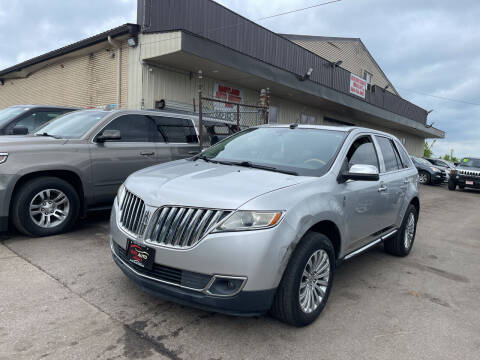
<point>440,97</point>
<point>297,10</point>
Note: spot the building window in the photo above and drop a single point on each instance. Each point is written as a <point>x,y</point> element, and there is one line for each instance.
<point>368,77</point>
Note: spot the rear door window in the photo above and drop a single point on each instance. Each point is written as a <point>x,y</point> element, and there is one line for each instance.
<point>176,130</point>
<point>406,162</point>
<point>390,157</point>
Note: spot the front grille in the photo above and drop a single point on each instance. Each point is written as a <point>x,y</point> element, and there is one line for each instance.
<point>133,214</point>
<point>183,278</point>
<point>469,173</point>
<point>182,227</point>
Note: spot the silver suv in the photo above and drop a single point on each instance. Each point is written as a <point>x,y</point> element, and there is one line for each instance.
<point>77,162</point>
<point>260,221</point>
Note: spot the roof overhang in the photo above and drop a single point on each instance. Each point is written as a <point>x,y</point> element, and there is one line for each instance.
<point>192,53</point>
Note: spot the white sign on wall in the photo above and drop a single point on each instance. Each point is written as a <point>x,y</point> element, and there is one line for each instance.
<point>358,86</point>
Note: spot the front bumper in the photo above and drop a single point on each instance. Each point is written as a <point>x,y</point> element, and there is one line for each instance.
<point>244,303</point>
<point>438,177</point>
<point>462,181</point>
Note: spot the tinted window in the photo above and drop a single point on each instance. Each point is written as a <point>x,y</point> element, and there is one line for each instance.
<point>6,115</point>
<point>133,128</point>
<point>404,156</point>
<point>38,118</point>
<point>176,130</point>
<point>390,156</point>
<point>363,152</point>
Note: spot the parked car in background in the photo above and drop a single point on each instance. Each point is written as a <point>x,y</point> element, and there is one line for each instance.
<point>76,163</point>
<point>428,174</point>
<point>260,220</point>
<point>23,119</point>
<point>443,165</point>
<point>466,175</point>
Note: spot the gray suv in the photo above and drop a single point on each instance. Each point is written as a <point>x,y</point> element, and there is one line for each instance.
<point>76,163</point>
<point>260,220</point>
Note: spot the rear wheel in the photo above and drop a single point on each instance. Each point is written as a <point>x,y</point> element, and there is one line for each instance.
<point>45,206</point>
<point>306,283</point>
<point>401,243</point>
<point>424,177</point>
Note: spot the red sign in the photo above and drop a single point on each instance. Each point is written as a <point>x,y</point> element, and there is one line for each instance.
<point>358,86</point>
<point>227,93</point>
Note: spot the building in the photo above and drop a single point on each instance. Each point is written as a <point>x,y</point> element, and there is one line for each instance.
<point>136,66</point>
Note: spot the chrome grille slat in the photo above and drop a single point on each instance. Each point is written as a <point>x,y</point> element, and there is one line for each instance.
<point>183,227</point>
<point>134,215</point>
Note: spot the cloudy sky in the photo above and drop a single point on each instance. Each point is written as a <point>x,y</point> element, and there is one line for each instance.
<point>425,47</point>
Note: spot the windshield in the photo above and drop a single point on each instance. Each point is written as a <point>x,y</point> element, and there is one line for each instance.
<point>9,113</point>
<point>308,152</point>
<point>73,125</point>
<point>470,163</point>
<point>421,161</point>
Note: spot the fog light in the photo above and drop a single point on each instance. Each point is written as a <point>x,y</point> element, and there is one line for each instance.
<point>226,286</point>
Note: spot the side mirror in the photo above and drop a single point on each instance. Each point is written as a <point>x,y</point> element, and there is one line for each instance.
<point>20,130</point>
<point>360,172</point>
<point>109,135</point>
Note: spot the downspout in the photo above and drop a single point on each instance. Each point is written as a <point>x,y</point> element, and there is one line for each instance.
<point>118,46</point>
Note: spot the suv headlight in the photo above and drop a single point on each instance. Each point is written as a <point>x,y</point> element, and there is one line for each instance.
<point>250,220</point>
<point>120,194</point>
<point>435,169</point>
<point>3,157</point>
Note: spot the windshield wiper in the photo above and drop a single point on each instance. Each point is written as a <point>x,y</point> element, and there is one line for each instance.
<point>264,167</point>
<point>48,135</point>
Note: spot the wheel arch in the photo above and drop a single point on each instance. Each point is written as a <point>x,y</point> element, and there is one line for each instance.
<point>330,230</point>
<point>416,202</point>
<point>67,175</point>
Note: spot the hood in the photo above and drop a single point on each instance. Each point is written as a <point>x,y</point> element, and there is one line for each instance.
<point>13,140</point>
<point>207,185</point>
<point>466,168</point>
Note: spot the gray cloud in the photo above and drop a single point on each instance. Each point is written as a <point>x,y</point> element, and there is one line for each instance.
<point>428,46</point>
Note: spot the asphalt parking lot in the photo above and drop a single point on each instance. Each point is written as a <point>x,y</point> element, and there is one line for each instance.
<point>62,297</point>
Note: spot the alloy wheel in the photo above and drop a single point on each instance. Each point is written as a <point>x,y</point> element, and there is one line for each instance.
<point>49,208</point>
<point>314,282</point>
<point>409,231</point>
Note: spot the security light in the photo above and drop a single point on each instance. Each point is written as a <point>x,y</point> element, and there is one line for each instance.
<point>337,64</point>
<point>307,75</point>
<point>132,42</point>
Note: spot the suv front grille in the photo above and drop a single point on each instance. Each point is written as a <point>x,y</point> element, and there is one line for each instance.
<point>133,214</point>
<point>469,173</point>
<point>182,227</point>
<point>191,280</point>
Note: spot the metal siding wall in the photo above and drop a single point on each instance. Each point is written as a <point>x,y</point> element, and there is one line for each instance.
<point>212,21</point>
<point>85,81</point>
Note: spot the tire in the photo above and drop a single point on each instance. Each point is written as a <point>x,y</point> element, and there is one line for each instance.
<point>452,186</point>
<point>398,245</point>
<point>287,305</point>
<point>424,177</point>
<point>61,198</point>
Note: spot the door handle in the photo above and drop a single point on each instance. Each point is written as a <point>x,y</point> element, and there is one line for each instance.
<point>382,188</point>
<point>147,153</point>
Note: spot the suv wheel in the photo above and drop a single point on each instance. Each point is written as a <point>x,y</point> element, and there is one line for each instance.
<point>452,186</point>
<point>45,206</point>
<point>401,243</point>
<point>306,283</point>
<point>424,177</point>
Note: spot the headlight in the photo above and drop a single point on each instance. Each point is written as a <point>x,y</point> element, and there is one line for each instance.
<point>120,194</point>
<point>3,157</point>
<point>435,169</point>
<point>250,220</point>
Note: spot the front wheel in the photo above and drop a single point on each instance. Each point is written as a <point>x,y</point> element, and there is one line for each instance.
<point>45,206</point>
<point>452,186</point>
<point>423,177</point>
<point>306,283</point>
<point>401,243</point>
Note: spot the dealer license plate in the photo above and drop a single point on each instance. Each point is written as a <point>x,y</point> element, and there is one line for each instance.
<point>140,255</point>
